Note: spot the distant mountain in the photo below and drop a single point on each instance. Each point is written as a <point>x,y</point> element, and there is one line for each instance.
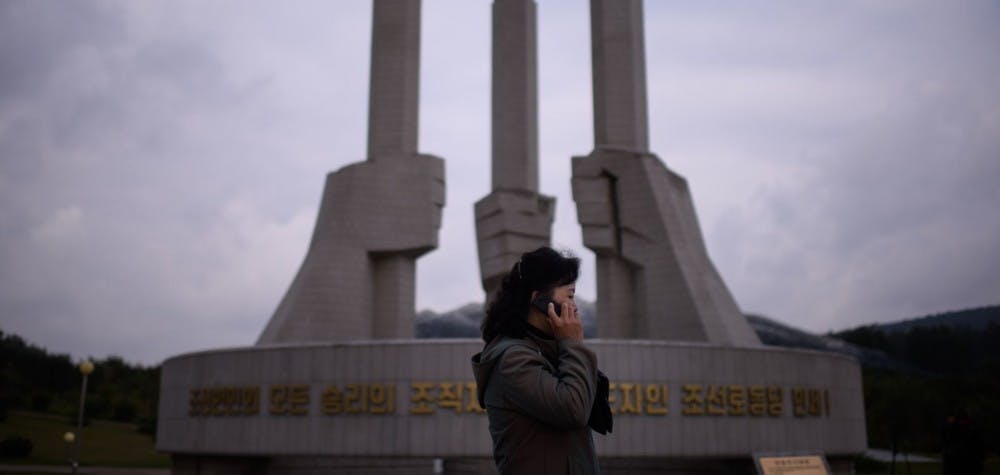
<point>976,319</point>
<point>958,343</point>
<point>775,333</point>
<point>463,322</point>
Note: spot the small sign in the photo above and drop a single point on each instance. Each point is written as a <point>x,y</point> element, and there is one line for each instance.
<point>791,465</point>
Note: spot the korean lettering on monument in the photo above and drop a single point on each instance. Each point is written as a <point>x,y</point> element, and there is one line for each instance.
<point>459,397</point>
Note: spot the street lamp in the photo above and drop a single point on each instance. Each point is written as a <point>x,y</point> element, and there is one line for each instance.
<point>85,369</point>
<point>69,437</point>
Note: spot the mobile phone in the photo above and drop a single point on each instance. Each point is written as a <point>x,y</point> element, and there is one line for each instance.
<point>542,303</point>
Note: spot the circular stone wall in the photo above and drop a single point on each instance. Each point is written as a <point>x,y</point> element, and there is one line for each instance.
<point>415,398</point>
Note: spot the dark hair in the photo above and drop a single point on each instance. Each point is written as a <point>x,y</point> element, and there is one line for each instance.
<point>540,270</point>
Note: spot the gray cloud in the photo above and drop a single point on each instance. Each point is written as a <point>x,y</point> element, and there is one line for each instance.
<point>853,157</point>
<point>161,164</point>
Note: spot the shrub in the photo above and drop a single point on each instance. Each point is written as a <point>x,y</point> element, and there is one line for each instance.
<point>147,425</point>
<point>123,411</point>
<point>16,447</point>
<point>40,402</point>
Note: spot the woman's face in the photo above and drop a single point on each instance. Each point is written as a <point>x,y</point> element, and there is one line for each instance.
<point>564,293</point>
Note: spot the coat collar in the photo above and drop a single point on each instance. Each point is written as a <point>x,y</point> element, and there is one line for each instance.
<point>548,345</point>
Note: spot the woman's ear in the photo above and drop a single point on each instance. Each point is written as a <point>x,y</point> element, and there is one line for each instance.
<point>534,295</point>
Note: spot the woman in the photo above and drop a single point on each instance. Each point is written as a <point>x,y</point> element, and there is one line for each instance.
<point>538,382</point>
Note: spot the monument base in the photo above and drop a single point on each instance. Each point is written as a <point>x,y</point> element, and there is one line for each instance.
<point>201,464</point>
<point>396,406</point>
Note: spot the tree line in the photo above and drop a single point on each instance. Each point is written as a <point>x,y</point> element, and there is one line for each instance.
<point>35,380</point>
<point>954,373</point>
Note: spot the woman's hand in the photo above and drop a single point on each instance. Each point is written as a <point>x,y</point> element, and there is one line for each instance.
<point>567,325</point>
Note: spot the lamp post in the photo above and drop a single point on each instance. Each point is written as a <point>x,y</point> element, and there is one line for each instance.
<point>69,437</point>
<point>85,369</point>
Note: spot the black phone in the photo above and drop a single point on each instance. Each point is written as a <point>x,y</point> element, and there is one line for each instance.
<point>542,303</point>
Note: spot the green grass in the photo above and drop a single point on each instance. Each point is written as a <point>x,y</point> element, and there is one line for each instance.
<point>102,443</point>
<point>116,444</point>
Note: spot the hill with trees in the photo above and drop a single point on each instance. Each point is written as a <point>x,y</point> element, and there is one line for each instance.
<point>35,380</point>
<point>947,366</point>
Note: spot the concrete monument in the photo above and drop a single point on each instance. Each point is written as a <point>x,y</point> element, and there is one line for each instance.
<point>337,384</point>
<point>514,218</point>
<point>654,277</point>
<point>357,280</point>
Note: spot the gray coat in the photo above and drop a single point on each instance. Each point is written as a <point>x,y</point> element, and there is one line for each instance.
<point>538,395</point>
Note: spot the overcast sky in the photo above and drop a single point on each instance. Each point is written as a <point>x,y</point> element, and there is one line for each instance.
<point>161,163</point>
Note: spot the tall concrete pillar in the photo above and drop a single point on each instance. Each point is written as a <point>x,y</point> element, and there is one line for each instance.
<point>377,216</point>
<point>655,279</point>
<point>618,54</point>
<point>395,80</point>
<point>515,96</point>
<point>514,218</point>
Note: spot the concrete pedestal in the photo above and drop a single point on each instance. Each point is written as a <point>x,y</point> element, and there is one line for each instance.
<point>403,404</point>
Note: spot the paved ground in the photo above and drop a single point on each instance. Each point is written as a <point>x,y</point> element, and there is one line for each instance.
<point>886,456</point>
<point>876,454</point>
<point>82,470</point>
